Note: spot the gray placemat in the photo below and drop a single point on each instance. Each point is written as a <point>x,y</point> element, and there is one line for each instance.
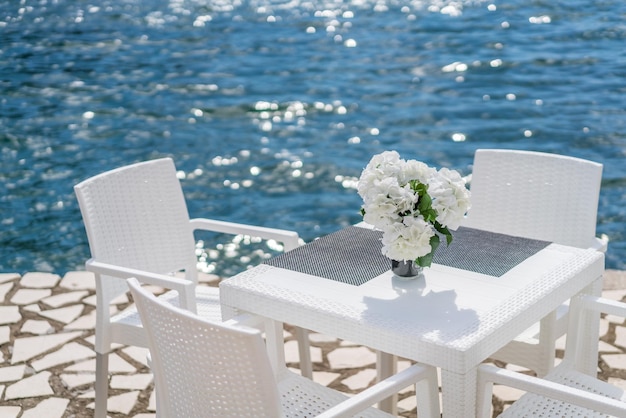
<point>352,255</point>
<point>486,252</point>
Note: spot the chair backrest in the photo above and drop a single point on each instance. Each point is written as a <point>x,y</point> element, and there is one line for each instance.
<point>535,195</point>
<point>136,216</point>
<point>205,369</point>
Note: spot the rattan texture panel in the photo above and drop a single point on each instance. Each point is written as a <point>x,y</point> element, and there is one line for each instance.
<point>532,405</point>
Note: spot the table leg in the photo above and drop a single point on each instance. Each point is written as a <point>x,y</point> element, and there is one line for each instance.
<point>304,351</point>
<point>588,323</point>
<point>458,392</point>
<point>275,344</point>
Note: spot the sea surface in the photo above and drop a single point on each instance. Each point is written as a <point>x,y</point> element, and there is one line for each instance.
<point>272,108</point>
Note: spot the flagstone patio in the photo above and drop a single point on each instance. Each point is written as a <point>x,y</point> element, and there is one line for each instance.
<point>47,362</point>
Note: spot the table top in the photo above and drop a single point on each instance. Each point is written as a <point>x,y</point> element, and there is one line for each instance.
<point>448,317</point>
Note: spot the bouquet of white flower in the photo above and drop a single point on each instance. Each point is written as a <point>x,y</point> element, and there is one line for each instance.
<point>411,203</point>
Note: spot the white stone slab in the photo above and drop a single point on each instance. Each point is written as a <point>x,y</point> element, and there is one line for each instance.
<point>5,335</point>
<point>133,382</point>
<point>61,299</point>
<point>121,299</point>
<point>139,354</point>
<point>208,278</point>
<point>607,348</point>
<point>70,352</point>
<point>90,394</point>
<point>407,404</point>
<point>145,416</point>
<point>321,338</point>
<point>78,280</point>
<point>4,289</point>
<point>360,380</point>
<point>9,315</point>
<point>292,354</point>
<point>116,365</point>
<point>29,347</point>
<point>64,315</point>
<point>9,411</point>
<point>36,385</point>
<point>616,294</point>
<point>28,296</point>
<point>615,361</point>
<point>343,358</point>
<point>12,373</point>
<point>325,378</point>
<point>75,380</point>
<point>90,300</point>
<point>32,326</point>
<point>32,308</point>
<point>507,394</point>
<point>84,322</point>
<point>121,404</point>
<point>49,408</point>
<point>92,340</point>
<point>39,280</point>
<point>6,277</point>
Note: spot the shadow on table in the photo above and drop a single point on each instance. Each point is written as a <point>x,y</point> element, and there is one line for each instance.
<point>443,320</point>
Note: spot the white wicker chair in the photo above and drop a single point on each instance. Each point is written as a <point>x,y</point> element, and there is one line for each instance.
<point>541,196</point>
<point>138,225</point>
<point>215,369</point>
<point>565,391</point>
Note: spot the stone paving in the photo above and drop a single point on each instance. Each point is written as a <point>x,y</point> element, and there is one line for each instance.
<point>47,362</point>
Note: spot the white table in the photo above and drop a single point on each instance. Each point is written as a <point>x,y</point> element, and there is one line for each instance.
<point>449,318</point>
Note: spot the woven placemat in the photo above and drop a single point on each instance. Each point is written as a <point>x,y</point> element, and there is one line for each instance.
<point>486,252</point>
<point>352,255</point>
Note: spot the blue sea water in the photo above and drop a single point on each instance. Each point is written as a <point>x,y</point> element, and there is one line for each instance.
<point>271,108</point>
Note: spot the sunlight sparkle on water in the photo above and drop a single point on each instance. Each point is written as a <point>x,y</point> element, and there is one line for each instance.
<point>458,137</point>
<point>540,19</point>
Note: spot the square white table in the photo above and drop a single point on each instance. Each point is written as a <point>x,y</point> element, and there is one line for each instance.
<point>448,318</point>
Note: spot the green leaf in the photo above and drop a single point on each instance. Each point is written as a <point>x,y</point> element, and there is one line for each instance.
<point>445,231</point>
<point>427,260</point>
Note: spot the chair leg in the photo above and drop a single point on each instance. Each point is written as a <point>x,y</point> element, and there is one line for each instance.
<point>546,350</point>
<point>101,385</point>
<point>159,406</point>
<point>427,396</point>
<point>386,366</point>
<point>304,350</point>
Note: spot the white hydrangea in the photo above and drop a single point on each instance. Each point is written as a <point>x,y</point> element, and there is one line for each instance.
<point>407,240</point>
<point>389,188</point>
<point>451,199</point>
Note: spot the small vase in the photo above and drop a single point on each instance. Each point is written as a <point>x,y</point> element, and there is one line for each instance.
<point>406,269</point>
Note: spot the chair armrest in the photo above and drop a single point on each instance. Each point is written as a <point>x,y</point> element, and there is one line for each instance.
<point>488,374</point>
<point>600,243</point>
<point>382,390</point>
<point>289,238</point>
<point>603,305</point>
<point>184,287</point>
